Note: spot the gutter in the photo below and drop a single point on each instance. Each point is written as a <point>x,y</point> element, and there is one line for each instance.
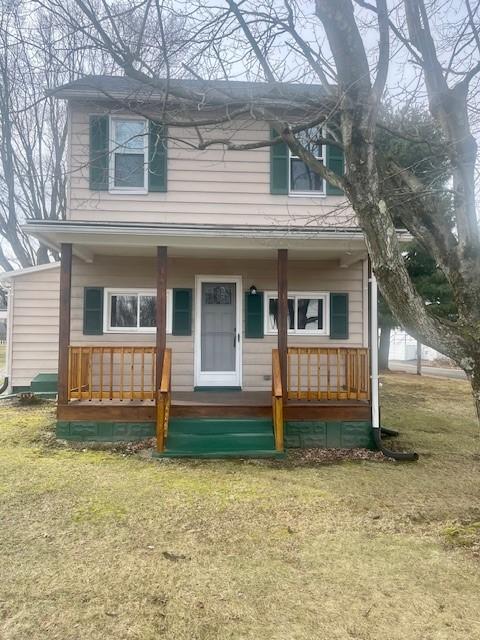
<point>206,230</point>
<point>7,383</point>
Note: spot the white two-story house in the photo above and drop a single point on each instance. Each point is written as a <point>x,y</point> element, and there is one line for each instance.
<point>217,298</point>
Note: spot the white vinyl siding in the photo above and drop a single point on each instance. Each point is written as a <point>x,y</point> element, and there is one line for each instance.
<point>34,334</point>
<point>213,186</point>
<point>139,273</point>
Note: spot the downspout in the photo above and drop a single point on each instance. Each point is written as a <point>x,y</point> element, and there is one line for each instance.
<point>377,430</point>
<point>6,384</point>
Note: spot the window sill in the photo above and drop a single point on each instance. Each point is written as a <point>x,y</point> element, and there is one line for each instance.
<point>129,192</point>
<point>134,332</point>
<point>317,334</point>
<point>307,195</point>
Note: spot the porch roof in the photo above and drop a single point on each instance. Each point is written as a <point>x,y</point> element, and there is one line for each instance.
<point>139,239</point>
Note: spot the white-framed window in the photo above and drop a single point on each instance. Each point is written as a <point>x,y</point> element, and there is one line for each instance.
<point>133,310</point>
<point>308,313</point>
<point>128,154</point>
<point>302,180</point>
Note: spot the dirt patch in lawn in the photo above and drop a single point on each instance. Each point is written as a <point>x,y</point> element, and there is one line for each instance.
<point>97,544</point>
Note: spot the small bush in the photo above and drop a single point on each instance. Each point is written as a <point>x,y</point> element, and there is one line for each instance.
<point>29,399</point>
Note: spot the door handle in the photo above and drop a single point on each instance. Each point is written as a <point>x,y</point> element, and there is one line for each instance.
<point>236,337</point>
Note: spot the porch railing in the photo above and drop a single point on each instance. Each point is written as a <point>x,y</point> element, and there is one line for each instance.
<point>328,373</point>
<point>111,373</point>
<point>164,400</point>
<point>277,401</point>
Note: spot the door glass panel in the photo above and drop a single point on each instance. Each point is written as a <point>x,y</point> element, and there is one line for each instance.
<point>218,334</point>
<point>218,294</point>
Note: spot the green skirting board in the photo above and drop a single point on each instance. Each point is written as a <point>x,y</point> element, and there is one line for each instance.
<point>298,434</point>
<point>329,435</point>
<point>91,431</point>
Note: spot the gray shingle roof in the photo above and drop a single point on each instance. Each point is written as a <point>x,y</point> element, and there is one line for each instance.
<point>207,91</point>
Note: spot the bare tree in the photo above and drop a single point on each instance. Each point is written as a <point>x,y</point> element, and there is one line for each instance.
<point>348,48</point>
<point>37,54</point>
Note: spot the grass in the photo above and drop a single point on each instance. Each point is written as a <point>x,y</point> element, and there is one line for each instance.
<point>99,545</point>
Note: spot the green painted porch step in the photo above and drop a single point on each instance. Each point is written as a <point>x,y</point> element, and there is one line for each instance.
<point>218,426</point>
<point>44,383</point>
<point>219,438</point>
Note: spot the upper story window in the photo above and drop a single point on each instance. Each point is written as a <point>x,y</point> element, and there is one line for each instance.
<point>128,155</point>
<point>303,181</point>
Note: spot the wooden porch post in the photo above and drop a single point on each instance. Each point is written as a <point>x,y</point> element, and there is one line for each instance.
<point>282,321</point>
<point>64,321</point>
<point>161,336</point>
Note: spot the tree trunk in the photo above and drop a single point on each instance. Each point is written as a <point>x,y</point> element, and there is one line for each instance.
<point>474,378</point>
<point>384,347</point>
<point>419,358</point>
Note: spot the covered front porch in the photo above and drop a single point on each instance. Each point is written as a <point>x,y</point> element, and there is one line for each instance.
<point>327,400</point>
<point>269,348</point>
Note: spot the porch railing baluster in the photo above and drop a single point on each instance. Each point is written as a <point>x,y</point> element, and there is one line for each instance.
<point>340,373</point>
<point>102,372</point>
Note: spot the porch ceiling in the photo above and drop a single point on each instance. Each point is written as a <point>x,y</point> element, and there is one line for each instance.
<point>303,243</point>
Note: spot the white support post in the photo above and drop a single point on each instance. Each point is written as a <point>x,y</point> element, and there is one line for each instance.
<point>374,351</point>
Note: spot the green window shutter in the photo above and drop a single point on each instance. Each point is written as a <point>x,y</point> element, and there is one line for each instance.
<point>339,316</point>
<point>157,157</point>
<point>93,311</point>
<point>336,163</point>
<point>279,160</point>
<point>182,312</point>
<point>99,153</point>
<point>254,315</point>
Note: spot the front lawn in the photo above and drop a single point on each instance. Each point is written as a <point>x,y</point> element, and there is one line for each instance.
<point>100,545</point>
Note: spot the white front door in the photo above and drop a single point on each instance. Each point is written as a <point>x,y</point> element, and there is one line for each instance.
<point>218,331</point>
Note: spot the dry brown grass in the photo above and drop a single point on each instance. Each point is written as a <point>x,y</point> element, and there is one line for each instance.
<point>97,545</point>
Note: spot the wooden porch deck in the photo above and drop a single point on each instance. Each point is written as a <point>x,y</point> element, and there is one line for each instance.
<point>119,384</point>
<point>215,404</point>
